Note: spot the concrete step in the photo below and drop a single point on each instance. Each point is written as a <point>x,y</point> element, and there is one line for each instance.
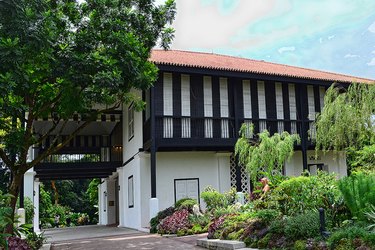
<point>222,244</point>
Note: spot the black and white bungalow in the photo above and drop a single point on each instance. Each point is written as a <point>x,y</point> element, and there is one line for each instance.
<point>184,140</point>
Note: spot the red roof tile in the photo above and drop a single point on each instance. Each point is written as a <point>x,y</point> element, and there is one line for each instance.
<point>230,63</point>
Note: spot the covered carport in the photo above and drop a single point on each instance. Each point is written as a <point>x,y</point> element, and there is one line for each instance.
<point>94,152</point>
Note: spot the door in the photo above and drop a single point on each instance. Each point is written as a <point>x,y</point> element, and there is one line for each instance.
<point>186,188</point>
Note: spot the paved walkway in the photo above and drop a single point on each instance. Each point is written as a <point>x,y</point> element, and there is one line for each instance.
<point>102,237</point>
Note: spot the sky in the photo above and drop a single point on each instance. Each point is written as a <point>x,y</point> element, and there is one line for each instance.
<point>330,35</point>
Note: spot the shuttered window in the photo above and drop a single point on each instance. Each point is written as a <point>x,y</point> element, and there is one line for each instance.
<point>279,106</point>
<point>167,105</point>
<point>224,107</point>
<point>292,108</point>
<point>185,106</point>
<point>208,111</point>
<point>262,106</point>
<point>311,102</point>
<point>246,99</point>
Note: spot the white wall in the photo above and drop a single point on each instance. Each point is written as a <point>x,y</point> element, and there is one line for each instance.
<point>210,167</point>
<point>132,147</point>
<point>132,215</point>
<point>336,162</point>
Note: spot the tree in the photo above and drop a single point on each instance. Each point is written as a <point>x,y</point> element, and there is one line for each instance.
<point>265,155</point>
<point>58,58</point>
<point>347,121</point>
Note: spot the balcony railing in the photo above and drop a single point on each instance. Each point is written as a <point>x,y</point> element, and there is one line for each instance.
<point>193,127</point>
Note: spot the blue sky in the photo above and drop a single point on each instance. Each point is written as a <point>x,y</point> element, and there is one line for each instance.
<point>330,35</point>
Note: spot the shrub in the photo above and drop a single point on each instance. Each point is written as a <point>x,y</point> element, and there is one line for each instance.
<point>178,221</point>
<point>16,243</point>
<point>300,194</point>
<point>214,226</point>
<point>5,217</point>
<point>351,237</point>
<point>358,191</point>
<point>35,241</point>
<point>185,203</point>
<point>302,226</point>
<point>154,222</point>
<point>215,200</point>
<point>267,215</point>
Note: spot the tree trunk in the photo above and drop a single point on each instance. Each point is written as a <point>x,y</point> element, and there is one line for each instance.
<point>14,190</point>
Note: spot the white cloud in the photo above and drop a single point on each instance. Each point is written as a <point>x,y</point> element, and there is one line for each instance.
<point>331,37</point>
<point>286,49</point>
<point>320,40</point>
<point>350,56</point>
<point>372,63</point>
<point>372,28</point>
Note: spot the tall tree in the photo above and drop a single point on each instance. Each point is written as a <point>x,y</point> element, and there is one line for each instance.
<point>60,57</point>
<point>347,122</point>
<point>264,155</point>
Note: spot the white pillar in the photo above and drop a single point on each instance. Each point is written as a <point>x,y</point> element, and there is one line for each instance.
<point>121,193</point>
<point>28,184</point>
<point>154,207</point>
<point>36,206</point>
<point>100,205</point>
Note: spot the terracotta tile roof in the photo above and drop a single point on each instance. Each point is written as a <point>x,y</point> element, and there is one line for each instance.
<point>230,63</point>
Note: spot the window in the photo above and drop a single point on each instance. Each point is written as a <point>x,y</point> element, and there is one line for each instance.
<point>168,105</point>
<point>131,121</point>
<point>130,191</point>
<point>186,188</point>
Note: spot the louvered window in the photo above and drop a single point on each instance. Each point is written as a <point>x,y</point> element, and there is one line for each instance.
<point>167,106</point>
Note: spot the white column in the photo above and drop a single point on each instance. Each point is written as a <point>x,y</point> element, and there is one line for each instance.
<point>36,206</point>
<point>121,194</point>
<point>154,207</point>
<point>28,184</point>
<point>100,205</point>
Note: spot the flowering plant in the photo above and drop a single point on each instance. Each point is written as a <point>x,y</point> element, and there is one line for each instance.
<point>175,222</point>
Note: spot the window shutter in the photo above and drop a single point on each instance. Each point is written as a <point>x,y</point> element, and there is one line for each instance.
<point>208,111</point>
<point>292,102</point>
<point>311,102</point>
<point>279,101</point>
<point>292,108</point>
<point>167,105</point>
<point>185,106</point>
<point>246,99</point>
<point>261,100</point>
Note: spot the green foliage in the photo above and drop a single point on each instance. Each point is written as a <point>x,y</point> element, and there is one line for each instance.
<point>58,58</point>
<point>347,118</point>
<point>363,159</point>
<point>371,218</point>
<point>300,194</point>
<point>92,191</point>
<point>299,245</point>
<point>216,200</point>
<point>5,217</point>
<point>29,210</point>
<point>351,237</point>
<point>302,226</point>
<point>358,191</point>
<point>268,152</point>
<point>267,215</point>
<point>185,203</point>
